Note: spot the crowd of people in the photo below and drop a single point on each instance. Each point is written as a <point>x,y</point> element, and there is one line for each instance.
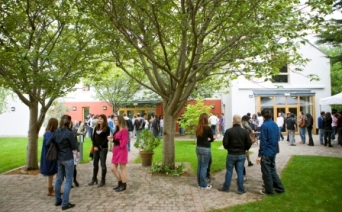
<point>114,132</point>
<point>237,140</point>
<point>107,133</point>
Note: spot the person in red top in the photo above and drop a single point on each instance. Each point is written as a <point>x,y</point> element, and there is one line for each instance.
<point>120,152</point>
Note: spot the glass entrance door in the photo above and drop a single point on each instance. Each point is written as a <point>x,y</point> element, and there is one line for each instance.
<point>295,111</point>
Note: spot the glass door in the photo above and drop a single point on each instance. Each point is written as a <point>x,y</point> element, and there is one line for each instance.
<point>295,111</point>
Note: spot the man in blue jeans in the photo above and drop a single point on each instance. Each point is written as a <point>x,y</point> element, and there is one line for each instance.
<point>269,147</point>
<point>321,127</point>
<point>236,140</point>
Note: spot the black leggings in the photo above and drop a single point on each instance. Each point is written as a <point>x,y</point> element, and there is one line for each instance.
<point>75,172</point>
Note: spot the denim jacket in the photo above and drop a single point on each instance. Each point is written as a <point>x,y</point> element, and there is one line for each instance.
<point>65,142</point>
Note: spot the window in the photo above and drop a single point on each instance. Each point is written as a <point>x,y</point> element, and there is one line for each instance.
<point>282,77</point>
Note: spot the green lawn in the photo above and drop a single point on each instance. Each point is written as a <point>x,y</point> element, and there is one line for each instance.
<point>186,152</point>
<point>312,183</point>
<point>14,152</point>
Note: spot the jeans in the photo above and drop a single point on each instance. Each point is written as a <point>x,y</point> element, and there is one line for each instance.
<point>281,135</point>
<point>321,135</point>
<point>161,131</point>
<point>238,162</point>
<point>302,133</point>
<point>65,169</point>
<point>182,131</point>
<point>209,164</point>
<point>137,132</point>
<point>130,133</point>
<point>291,136</point>
<point>203,157</point>
<point>101,155</point>
<point>270,176</point>
<point>223,129</point>
<point>327,137</point>
<point>155,132</point>
<point>213,128</point>
<point>333,133</point>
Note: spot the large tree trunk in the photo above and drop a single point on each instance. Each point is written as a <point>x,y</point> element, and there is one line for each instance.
<point>32,145</point>
<point>169,140</point>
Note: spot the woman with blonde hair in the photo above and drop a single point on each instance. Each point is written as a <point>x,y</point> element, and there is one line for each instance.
<point>204,136</point>
<point>48,168</point>
<point>120,152</point>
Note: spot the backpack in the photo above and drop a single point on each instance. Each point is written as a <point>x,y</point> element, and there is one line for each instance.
<point>155,124</point>
<point>129,125</point>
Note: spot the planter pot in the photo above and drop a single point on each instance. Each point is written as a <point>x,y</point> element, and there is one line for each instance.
<point>146,158</point>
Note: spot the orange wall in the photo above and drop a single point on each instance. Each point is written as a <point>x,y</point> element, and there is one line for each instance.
<point>94,108</point>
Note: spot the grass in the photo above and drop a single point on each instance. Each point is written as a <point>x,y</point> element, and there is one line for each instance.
<point>186,152</point>
<point>14,152</point>
<point>312,183</point>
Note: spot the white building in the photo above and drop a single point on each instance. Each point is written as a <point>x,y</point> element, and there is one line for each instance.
<point>297,92</point>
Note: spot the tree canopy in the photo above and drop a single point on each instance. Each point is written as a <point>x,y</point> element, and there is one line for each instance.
<point>45,49</point>
<point>180,43</point>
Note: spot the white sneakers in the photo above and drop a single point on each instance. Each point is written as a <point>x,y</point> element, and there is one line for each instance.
<point>205,188</point>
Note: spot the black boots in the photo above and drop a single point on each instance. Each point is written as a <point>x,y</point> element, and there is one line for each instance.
<point>94,179</point>
<point>119,184</point>
<point>103,178</point>
<point>122,187</point>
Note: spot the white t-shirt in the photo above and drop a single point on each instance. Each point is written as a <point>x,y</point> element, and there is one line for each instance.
<point>280,121</point>
<point>213,120</point>
<point>261,120</point>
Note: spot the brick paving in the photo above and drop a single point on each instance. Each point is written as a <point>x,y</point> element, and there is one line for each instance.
<point>146,192</point>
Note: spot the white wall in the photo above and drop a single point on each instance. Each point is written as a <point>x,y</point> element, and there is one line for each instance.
<point>14,123</point>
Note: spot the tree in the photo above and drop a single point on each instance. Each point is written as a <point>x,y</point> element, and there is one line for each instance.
<point>336,69</point>
<point>4,94</point>
<point>44,48</point>
<point>57,109</point>
<point>332,34</point>
<point>190,117</point>
<point>180,43</point>
<point>114,87</point>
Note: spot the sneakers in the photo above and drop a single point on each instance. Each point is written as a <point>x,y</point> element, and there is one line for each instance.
<point>209,179</point>
<point>208,187</point>
<point>262,192</point>
<point>68,206</point>
<point>250,163</point>
<point>292,144</point>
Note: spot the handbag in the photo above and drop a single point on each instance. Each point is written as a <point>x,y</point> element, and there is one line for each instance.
<point>52,152</point>
<point>252,137</point>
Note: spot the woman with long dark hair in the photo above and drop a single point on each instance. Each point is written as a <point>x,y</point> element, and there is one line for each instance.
<point>100,143</point>
<point>120,153</point>
<point>327,121</point>
<point>204,136</point>
<point>65,142</point>
<point>48,168</point>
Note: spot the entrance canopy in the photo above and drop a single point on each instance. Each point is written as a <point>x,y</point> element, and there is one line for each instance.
<point>332,100</point>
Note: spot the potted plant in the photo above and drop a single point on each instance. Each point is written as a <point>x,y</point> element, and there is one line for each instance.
<point>146,143</point>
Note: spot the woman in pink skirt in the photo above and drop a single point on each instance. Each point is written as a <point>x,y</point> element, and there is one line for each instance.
<point>120,152</point>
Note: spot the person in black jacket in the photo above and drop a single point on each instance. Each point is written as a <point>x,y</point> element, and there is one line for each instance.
<point>309,125</point>
<point>66,142</point>
<point>327,121</point>
<point>236,140</point>
<point>204,136</point>
<point>100,143</point>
